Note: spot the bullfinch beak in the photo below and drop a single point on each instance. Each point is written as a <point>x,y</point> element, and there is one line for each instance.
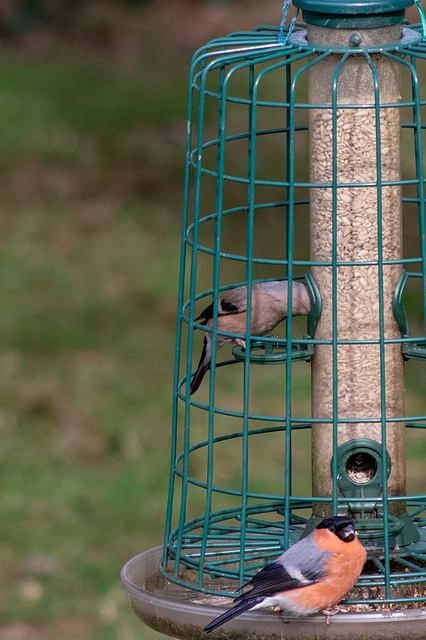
<point>348,535</point>
<point>269,306</point>
<point>313,575</point>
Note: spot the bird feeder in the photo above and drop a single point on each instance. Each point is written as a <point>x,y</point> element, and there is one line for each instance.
<point>304,164</point>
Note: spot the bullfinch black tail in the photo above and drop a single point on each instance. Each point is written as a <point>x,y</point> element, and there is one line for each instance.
<point>239,608</point>
<point>203,367</point>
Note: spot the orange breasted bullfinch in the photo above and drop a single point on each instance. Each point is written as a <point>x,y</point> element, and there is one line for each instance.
<point>313,575</point>
<point>268,308</point>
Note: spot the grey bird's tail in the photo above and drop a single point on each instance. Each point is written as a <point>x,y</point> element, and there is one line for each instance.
<point>203,367</point>
<point>243,605</point>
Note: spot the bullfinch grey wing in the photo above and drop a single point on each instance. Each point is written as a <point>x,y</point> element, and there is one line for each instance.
<point>302,564</point>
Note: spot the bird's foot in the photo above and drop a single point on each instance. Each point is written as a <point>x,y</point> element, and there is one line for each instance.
<point>284,617</point>
<point>330,612</point>
<point>240,342</point>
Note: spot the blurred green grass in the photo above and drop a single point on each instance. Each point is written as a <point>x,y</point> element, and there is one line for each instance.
<point>91,168</point>
<point>91,171</point>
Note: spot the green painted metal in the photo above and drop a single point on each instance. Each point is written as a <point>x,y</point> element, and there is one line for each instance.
<point>411,347</point>
<point>363,457</point>
<point>339,21</point>
<point>353,14</point>
<point>356,455</point>
<point>223,522</point>
<point>354,6</point>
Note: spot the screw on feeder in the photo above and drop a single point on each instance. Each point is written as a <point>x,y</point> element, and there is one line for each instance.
<point>230,513</point>
<point>355,39</point>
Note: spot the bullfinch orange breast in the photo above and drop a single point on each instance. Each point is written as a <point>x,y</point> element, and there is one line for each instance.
<point>313,575</point>
<point>269,306</point>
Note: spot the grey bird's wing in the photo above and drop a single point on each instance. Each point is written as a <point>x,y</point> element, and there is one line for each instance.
<point>301,565</point>
<point>232,302</point>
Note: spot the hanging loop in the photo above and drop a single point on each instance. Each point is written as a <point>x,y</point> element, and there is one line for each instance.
<point>422,16</point>
<point>286,7</point>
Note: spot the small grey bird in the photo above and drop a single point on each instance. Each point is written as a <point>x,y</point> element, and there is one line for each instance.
<point>268,309</point>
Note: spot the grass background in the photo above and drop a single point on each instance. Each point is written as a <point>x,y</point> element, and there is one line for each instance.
<point>92,138</point>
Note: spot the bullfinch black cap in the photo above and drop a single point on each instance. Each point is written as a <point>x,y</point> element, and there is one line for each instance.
<point>341,526</point>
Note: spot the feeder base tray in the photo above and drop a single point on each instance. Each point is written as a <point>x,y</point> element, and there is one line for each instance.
<point>180,612</point>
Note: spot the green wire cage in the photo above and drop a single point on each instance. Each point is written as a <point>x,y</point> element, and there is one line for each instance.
<point>304,164</point>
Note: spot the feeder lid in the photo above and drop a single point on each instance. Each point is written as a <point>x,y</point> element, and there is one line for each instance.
<point>353,13</point>
<point>355,7</point>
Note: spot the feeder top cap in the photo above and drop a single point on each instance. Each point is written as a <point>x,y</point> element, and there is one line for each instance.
<point>353,7</point>
<point>353,14</point>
